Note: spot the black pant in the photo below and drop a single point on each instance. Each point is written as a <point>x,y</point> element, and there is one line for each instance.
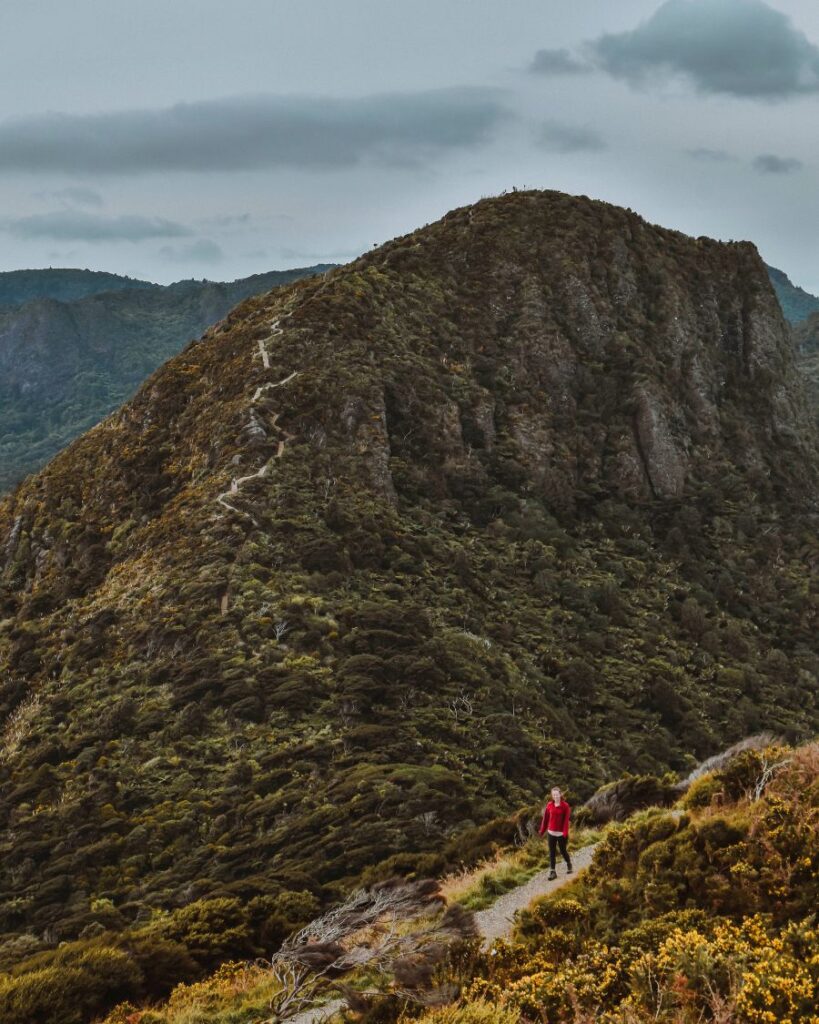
<point>554,842</point>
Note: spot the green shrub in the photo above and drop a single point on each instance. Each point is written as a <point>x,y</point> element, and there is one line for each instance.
<point>73,992</point>
<point>703,791</point>
<point>210,930</point>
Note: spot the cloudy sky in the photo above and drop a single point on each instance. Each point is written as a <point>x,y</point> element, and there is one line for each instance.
<point>195,138</point>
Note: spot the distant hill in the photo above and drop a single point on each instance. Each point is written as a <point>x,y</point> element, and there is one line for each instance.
<point>526,497</point>
<point>796,303</point>
<point>64,365</point>
<point>66,285</point>
<point>802,310</point>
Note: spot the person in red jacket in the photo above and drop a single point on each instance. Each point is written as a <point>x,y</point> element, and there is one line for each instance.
<point>555,825</point>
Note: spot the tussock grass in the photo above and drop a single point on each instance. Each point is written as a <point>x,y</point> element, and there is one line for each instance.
<point>479,887</point>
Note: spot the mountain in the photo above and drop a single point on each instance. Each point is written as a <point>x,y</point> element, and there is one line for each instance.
<point>64,365</point>
<point>526,497</point>
<point>796,303</point>
<point>64,285</point>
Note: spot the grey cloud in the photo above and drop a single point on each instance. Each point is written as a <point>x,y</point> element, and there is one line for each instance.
<point>558,62</point>
<point>59,255</point>
<point>203,250</point>
<point>74,195</point>
<point>247,133</point>
<point>770,163</point>
<point>76,225</point>
<point>227,220</point>
<point>715,156</point>
<point>566,138</point>
<point>737,47</point>
<point>338,255</point>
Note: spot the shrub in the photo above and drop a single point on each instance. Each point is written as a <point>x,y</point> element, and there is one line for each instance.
<point>478,1011</point>
<point>209,929</point>
<point>70,993</point>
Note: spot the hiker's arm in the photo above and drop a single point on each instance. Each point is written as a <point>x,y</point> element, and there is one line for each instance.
<point>542,828</point>
<point>566,822</point>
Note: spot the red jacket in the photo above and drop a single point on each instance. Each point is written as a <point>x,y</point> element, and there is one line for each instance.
<point>556,819</point>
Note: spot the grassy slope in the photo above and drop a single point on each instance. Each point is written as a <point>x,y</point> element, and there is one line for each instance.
<point>704,917</point>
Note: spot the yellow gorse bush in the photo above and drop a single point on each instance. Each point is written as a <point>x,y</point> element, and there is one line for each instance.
<point>739,973</point>
<point>761,975</point>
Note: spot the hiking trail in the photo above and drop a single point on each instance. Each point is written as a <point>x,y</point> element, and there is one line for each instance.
<point>225,499</point>
<point>495,922</point>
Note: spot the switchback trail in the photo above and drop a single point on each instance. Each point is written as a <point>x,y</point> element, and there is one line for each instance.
<point>225,499</point>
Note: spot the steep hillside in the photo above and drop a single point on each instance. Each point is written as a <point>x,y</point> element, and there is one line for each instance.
<point>528,496</point>
<point>806,335</point>
<point>703,915</point>
<point>64,285</point>
<point>796,303</point>
<point>710,917</point>
<point>802,310</point>
<point>64,365</point>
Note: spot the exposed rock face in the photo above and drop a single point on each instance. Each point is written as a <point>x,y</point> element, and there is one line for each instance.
<point>662,456</point>
<point>806,336</point>
<point>526,496</point>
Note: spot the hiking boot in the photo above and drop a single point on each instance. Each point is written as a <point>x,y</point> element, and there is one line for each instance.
<point>552,875</point>
<point>569,868</point>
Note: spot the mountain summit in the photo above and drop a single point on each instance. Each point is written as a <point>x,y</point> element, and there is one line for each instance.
<point>526,497</point>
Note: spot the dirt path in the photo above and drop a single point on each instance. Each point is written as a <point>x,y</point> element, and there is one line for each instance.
<point>225,499</point>
<point>317,1013</point>
<point>496,922</point>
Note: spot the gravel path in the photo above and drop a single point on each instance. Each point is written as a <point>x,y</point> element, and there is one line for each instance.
<point>496,922</point>
<point>317,1013</point>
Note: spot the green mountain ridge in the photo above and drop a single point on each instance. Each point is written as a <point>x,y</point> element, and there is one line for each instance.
<point>797,304</point>
<point>66,284</point>
<point>64,365</point>
<point>527,496</point>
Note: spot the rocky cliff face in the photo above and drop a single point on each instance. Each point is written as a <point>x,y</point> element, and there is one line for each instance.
<point>806,338</point>
<point>525,497</point>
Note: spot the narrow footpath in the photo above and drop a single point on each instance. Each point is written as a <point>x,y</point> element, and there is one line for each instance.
<point>495,922</point>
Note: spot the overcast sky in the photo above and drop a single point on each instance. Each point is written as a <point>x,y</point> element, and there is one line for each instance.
<point>199,138</point>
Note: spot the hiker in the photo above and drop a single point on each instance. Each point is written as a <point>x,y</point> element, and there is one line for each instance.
<point>556,826</point>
